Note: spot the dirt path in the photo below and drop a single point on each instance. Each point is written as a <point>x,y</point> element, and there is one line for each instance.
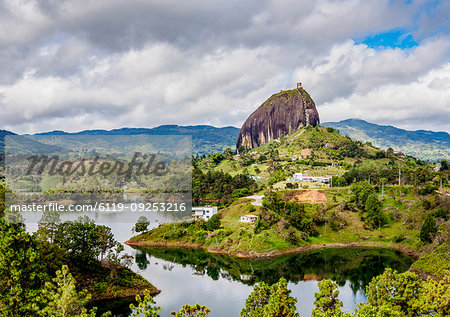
<point>257,198</point>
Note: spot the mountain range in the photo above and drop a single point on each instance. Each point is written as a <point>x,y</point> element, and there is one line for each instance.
<point>422,144</point>
<point>205,139</point>
<point>426,145</point>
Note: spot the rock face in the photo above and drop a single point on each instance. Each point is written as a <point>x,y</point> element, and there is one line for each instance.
<point>281,113</point>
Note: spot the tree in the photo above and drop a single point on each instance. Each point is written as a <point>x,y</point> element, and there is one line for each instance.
<point>192,311</point>
<point>216,158</point>
<point>428,229</point>
<point>63,299</point>
<point>327,302</point>
<point>444,165</point>
<point>436,296</point>
<point>406,294</point>
<point>398,292</point>
<point>341,181</point>
<point>213,223</point>
<point>361,192</point>
<point>267,301</point>
<point>145,306</point>
<point>48,225</point>
<point>80,238</point>
<point>373,211</point>
<point>228,154</point>
<point>22,271</point>
<point>115,261</point>
<point>141,224</point>
<point>106,240</point>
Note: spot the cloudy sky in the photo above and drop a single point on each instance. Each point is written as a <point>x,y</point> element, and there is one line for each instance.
<point>82,64</point>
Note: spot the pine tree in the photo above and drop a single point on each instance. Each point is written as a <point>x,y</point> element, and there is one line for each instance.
<point>327,302</point>
<point>192,311</point>
<point>63,299</point>
<point>373,211</point>
<point>273,300</point>
<point>145,306</point>
<point>428,229</point>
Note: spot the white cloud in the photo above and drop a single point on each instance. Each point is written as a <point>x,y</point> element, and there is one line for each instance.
<point>21,22</point>
<point>82,64</point>
<point>156,85</point>
<point>420,104</point>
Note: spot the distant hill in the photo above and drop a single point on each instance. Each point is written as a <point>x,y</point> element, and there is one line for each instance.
<point>21,142</point>
<point>426,145</point>
<point>3,133</point>
<point>205,139</point>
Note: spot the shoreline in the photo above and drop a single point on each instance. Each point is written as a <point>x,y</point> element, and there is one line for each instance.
<point>129,294</point>
<point>275,253</point>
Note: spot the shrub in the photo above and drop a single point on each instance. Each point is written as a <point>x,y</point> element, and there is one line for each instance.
<point>141,224</point>
<point>428,229</point>
<point>427,189</point>
<point>213,223</point>
<point>441,213</point>
<point>426,204</point>
<point>201,236</point>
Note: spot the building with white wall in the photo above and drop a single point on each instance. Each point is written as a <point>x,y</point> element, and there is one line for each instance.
<point>300,177</point>
<point>248,218</point>
<point>205,212</point>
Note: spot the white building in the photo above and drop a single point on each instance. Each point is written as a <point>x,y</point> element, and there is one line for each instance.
<point>248,218</point>
<point>205,212</point>
<point>298,177</point>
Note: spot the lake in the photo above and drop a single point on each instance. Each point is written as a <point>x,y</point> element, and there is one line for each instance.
<point>222,282</point>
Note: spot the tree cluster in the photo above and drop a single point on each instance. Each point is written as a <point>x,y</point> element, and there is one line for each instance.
<point>366,200</point>
<point>219,185</point>
<point>293,212</point>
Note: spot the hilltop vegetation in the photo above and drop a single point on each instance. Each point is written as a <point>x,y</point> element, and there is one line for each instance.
<point>320,151</point>
<point>426,145</point>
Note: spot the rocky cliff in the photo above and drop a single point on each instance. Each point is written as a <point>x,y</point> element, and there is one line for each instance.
<point>283,112</point>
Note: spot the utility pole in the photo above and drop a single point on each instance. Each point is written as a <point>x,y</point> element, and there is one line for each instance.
<point>399,174</point>
<point>382,190</point>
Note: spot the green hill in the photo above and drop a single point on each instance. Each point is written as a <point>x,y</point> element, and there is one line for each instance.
<point>317,151</point>
<point>426,145</point>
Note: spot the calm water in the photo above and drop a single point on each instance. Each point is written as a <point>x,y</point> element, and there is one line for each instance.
<point>223,282</point>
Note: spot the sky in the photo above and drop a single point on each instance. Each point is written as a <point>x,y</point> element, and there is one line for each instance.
<point>82,64</point>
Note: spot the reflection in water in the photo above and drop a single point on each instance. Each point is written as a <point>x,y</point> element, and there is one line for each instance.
<point>354,265</point>
<point>223,282</point>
